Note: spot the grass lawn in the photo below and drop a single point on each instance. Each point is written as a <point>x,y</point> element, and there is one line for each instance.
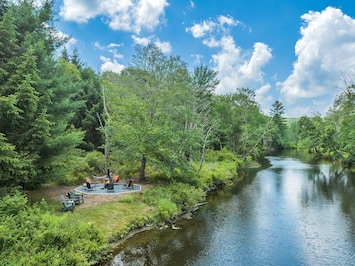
<point>115,215</point>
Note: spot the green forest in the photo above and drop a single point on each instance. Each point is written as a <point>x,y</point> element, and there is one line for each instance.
<point>157,120</point>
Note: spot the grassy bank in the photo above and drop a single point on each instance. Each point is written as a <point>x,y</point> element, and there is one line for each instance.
<point>38,234</point>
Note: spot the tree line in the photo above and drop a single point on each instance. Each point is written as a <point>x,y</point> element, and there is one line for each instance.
<point>60,120</point>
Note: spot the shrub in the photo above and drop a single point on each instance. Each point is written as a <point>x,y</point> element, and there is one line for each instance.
<point>182,196</point>
<point>96,161</point>
<point>186,196</point>
<point>166,210</point>
<point>36,236</point>
<point>220,156</point>
<point>217,173</point>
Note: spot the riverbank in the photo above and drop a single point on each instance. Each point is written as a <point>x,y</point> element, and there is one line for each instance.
<point>108,220</point>
<point>163,224</point>
<point>268,218</point>
<point>119,217</point>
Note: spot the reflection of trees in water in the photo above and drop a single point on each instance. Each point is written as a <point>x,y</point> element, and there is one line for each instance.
<point>333,181</point>
<point>162,247</point>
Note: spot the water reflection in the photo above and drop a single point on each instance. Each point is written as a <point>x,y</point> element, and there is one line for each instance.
<point>295,212</point>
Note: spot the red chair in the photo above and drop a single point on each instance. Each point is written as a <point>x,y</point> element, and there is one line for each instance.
<point>116,179</point>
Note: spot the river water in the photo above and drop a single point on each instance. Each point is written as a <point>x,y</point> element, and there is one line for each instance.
<point>290,212</point>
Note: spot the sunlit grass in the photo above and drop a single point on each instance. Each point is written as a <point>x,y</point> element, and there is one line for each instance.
<point>114,217</point>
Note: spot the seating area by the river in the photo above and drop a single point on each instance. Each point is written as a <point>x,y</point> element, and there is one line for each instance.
<point>107,185</point>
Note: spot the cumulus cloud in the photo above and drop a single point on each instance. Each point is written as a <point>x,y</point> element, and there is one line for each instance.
<point>126,15</point>
<point>236,67</point>
<point>208,27</point>
<point>324,51</point>
<point>165,47</point>
<point>110,63</point>
<point>142,41</point>
<point>201,29</point>
<point>264,98</point>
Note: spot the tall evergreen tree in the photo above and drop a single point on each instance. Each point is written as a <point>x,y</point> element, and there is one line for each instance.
<point>279,140</point>
<point>36,93</point>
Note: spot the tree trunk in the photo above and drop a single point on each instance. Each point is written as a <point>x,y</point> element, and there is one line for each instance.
<point>142,174</point>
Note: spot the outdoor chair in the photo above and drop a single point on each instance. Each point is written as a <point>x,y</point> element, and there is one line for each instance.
<point>68,205</point>
<point>89,185</point>
<point>78,198</point>
<point>116,179</point>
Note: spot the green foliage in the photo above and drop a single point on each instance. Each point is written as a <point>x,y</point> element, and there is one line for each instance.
<point>172,199</point>
<point>220,167</point>
<point>160,112</point>
<point>43,238</point>
<point>37,96</point>
<point>242,126</point>
<point>185,175</point>
<point>12,203</point>
<point>217,174</point>
<point>129,199</point>
<point>332,136</point>
<point>279,137</point>
<point>221,156</point>
<point>186,195</point>
<point>159,176</point>
<point>10,163</point>
<point>96,161</point>
<point>166,210</point>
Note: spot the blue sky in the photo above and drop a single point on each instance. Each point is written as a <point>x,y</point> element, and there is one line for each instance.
<point>299,52</point>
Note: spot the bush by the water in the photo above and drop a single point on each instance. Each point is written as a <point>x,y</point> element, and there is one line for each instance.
<point>173,199</point>
<point>35,235</point>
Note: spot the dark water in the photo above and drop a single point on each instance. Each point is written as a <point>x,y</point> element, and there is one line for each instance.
<point>291,213</point>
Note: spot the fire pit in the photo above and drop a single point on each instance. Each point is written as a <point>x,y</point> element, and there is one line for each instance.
<point>107,179</point>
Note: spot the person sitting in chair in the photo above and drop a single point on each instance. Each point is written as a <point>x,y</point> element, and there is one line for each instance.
<point>130,183</point>
<point>88,183</point>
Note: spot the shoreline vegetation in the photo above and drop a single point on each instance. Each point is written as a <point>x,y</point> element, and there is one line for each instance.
<point>108,254</point>
<point>157,120</point>
<point>35,227</point>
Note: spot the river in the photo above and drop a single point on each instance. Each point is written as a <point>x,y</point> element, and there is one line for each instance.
<point>289,212</point>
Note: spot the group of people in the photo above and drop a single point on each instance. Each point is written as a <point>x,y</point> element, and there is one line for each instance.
<point>115,179</point>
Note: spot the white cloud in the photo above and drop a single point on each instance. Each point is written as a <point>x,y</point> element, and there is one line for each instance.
<point>142,41</point>
<point>192,4</point>
<point>70,40</point>
<point>112,45</point>
<point>197,58</point>
<point>264,98</point>
<point>99,46</point>
<point>228,21</point>
<point>325,50</point>
<point>236,67</point>
<point>200,30</point>
<point>126,15</point>
<point>111,65</point>
<point>80,10</point>
<point>165,47</point>
<point>207,27</point>
<point>260,56</point>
